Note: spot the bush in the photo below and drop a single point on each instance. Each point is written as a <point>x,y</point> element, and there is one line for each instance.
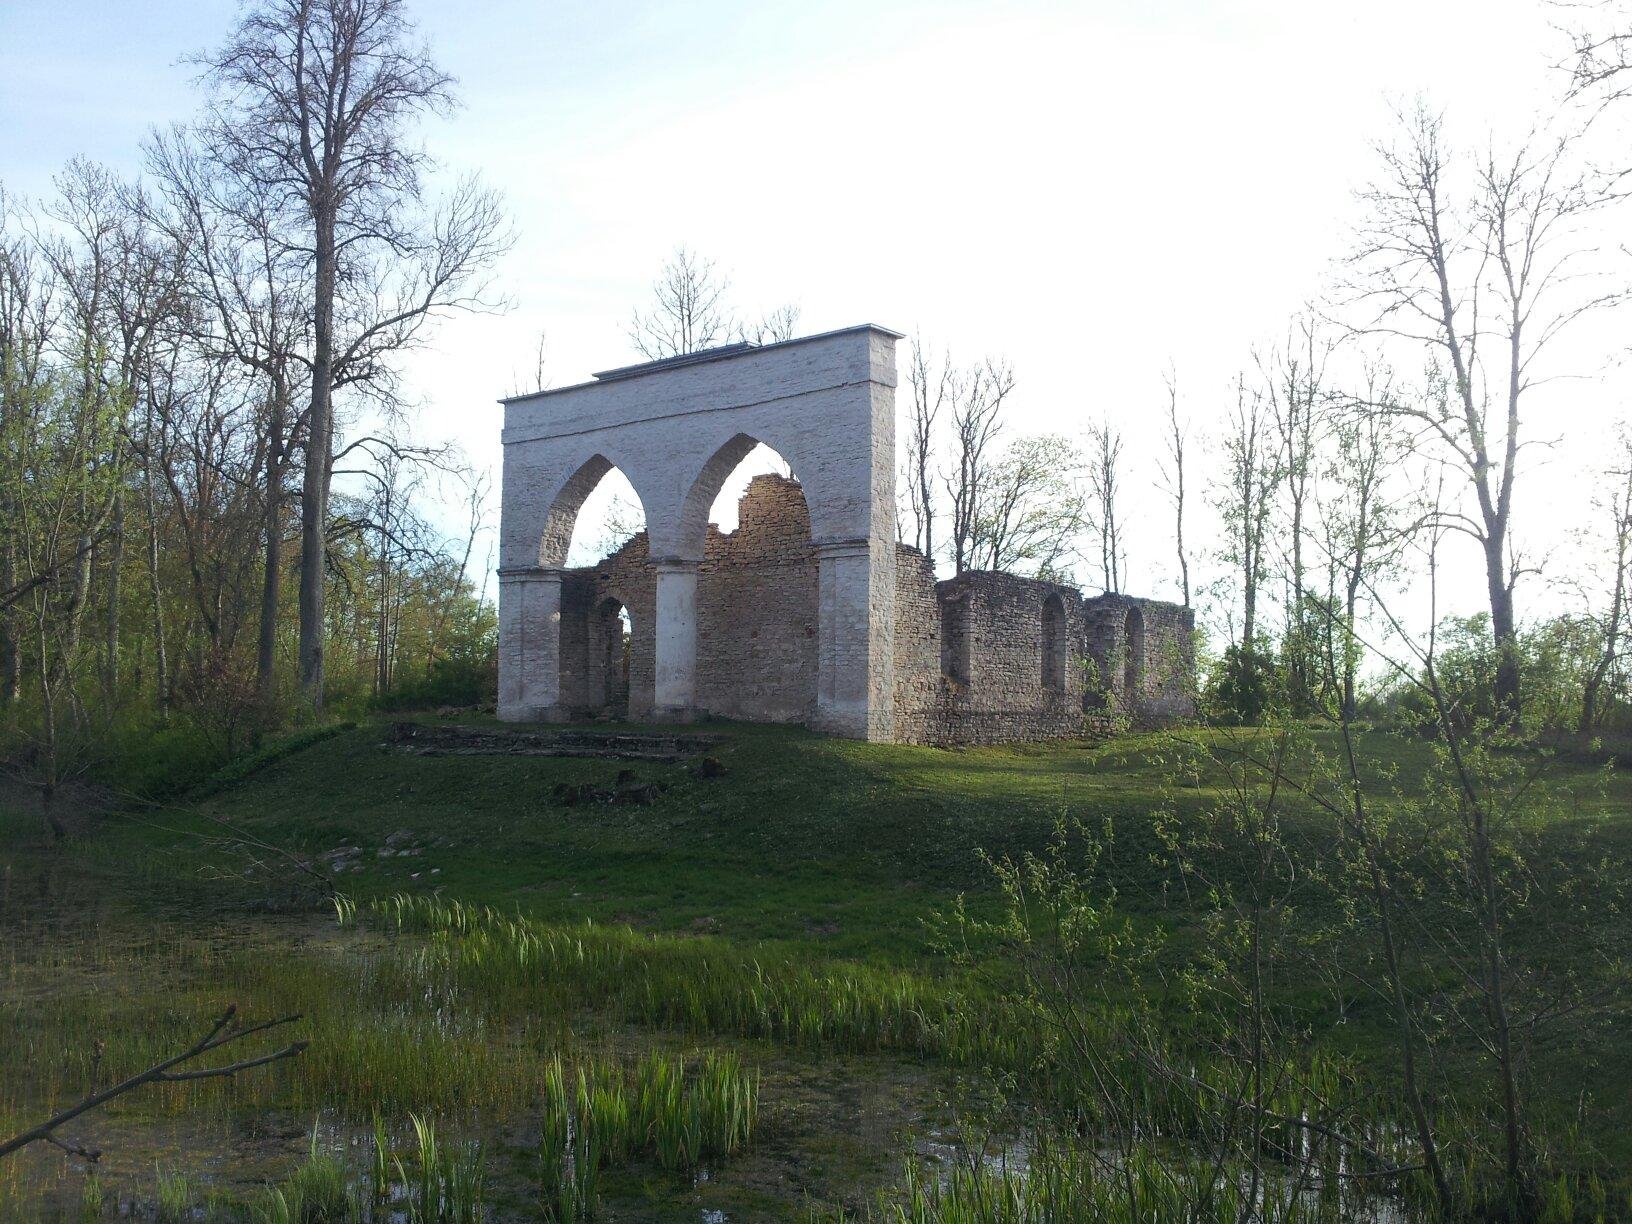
<point>468,680</point>
<point>1245,685</point>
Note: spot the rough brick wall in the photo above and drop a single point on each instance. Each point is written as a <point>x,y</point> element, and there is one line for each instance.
<point>968,652</point>
<point>1143,656</point>
<point>920,689</point>
<point>756,616</point>
<point>626,576</point>
<point>756,610</point>
<point>992,628</point>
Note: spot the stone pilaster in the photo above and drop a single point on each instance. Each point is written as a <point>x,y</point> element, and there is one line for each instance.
<point>675,694</point>
<point>855,668</point>
<point>529,644</point>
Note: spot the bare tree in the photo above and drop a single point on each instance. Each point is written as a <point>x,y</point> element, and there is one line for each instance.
<point>1032,508</point>
<point>1600,63</point>
<point>977,421</point>
<point>773,327</point>
<point>1361,528</point>
<point>1171,467</point>
<point>1246,499</point>
<point>250,305</point>
<point>933,386</point>
<point>1105,491</point>
<point>313,101</point>
<point>1294,378</point>
<point>537,378</point>
<point>1609,620</point>
<point>25,325</point>
<point>1461,261</point>
<point>688,310</point>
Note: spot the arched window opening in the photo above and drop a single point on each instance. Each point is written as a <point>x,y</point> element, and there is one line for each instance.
<point>1133,655</point>
<point>1054,643</point>
<point>611,516</point>
<point>605,651</point>
<point>592,515</point>
<point>762,460</point>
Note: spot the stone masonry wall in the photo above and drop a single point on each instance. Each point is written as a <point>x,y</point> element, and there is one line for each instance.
<point>920,689</point>
<point>756,616</point>
<point>969,652</point>
<point>1142,656</point>
<point>993,626</point>
<point>626,576</point>
<point>756,610</point>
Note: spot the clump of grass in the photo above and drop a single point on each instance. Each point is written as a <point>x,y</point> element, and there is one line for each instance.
<point>446,1183</point>
<point>384,1161</point>
<point>175,1197</point>
<point>319,1189</point>
<point>569,1160</point>
<point>607,1115</point>
<point>704,986</point>
<point>92,1198</point>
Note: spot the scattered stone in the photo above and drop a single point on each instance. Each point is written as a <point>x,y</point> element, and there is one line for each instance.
<point>423,739</point>
<point>626,790</point>
<point>709,767</point>
<point>641,796</point>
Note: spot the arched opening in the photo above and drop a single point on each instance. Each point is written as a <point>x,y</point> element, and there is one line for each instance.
<point>1133,656</point>
<point>595,512</point>
<point>612,642</point>
<point>955,635</point>
<point>595,533</point>
<point>746,517</point>
<point>1054,643</point>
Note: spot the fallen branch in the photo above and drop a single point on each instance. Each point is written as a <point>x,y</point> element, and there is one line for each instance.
<point>222,1034</point>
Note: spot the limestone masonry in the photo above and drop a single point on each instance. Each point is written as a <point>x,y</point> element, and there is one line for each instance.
<point>810,612</point>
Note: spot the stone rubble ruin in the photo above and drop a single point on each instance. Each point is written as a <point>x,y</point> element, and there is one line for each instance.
<point>810,611</point>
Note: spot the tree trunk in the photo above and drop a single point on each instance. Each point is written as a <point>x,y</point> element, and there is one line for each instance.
<point>1504,632</point>
<point>161,660</point>
<point>926,513</point>
<point>11,652</point>
<point>314,503</point>
<point>116,561</point>
<point>272,578</point>
<point>1350,611</point>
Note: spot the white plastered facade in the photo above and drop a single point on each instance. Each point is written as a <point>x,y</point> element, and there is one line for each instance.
<point>677,430</point>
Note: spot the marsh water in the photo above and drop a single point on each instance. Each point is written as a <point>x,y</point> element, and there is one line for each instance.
<point>79,970</point>
<point>104,972</point>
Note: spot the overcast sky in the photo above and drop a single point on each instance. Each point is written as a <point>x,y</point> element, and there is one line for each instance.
<point>1089,189</point>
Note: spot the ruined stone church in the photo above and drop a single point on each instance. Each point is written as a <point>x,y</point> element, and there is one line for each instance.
<point>810,611</point>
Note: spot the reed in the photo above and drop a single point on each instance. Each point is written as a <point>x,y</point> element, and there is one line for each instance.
<point>607,1115</point>
<point>174,1196</point>
<point>92,1198</point>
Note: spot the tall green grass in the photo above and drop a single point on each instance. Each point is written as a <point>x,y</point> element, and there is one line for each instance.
<point>515,965</point>
<point>1067,1186</point>
<point>699,985</point>
<point>607,1115</point>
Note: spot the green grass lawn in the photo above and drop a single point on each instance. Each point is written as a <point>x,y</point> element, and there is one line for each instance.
<point>844,848</point>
